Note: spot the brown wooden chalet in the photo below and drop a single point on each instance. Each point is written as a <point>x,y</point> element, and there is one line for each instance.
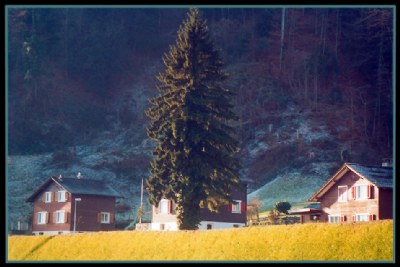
<point>58,201</point>
<point>356,193</point>
<point>231,215</point>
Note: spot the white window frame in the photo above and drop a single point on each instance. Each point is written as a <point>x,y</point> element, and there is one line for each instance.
<point>343,197</point>
<point>334,218</point>
<point>237,207</point>
<point>357,192</point>
<point>61,196</point>
<point>164,206</point>
<point>362,215</point>
<point>47,198</point>
<point>60,216</point>
<point>105,217</point>
<point>41,218</point>
<point>314,217</point>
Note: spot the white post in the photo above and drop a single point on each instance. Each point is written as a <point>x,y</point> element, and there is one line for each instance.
<point>76,199</point>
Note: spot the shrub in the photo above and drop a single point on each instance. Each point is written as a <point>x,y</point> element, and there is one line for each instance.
<point>64,158</point>
<point>282,207</point>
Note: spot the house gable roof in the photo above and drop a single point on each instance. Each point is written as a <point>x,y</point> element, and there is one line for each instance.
<point>379,176</point>
<point>79,186</point>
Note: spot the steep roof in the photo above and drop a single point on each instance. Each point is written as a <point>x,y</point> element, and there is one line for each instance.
<point>79,186</point>
<point>379,176</point>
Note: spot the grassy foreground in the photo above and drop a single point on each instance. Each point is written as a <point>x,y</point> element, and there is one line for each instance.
<point>360,241</point>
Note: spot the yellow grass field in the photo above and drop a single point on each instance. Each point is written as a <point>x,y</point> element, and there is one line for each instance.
<point>368,241</point>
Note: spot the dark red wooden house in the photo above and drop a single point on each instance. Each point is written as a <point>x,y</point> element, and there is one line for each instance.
<point>66,205</point>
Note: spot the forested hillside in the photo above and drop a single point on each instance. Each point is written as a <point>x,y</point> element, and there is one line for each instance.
<point>314,90</point>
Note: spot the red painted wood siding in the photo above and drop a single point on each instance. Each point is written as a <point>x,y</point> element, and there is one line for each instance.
<point>331,206</point>
<point>86,212</point>
<point>225,214</point>
<point>386,203</point>
<point>52,207</point>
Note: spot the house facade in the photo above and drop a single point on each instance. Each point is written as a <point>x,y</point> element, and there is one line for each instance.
<point>308,214</point>
<point>231,215</point>
<point>67,205</point>
<point>356,193</point>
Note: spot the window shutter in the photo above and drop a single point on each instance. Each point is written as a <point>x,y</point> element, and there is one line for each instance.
<point>371,217</point>
<point>99,217</point>
<point>66,196</point>
<point>353,192</point>
<point>369,188</point>
<point>341,218</point>
<point>66,214</point>
<point>229,207</point>
<point>344,218</point>
<point>111,217</point>
<point>47,217</point>
<point>354,218</point>
<point>243,208</point>
<point>169,206</point>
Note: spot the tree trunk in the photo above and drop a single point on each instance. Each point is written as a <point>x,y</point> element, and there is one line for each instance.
<point>337,32</point>
<point>315,87</point>
<point>80,20</point>
<point>33,20</point>
<point>365,120</point>
<point>323,32</point>
<point>282,37</point>
<point>66,42</point>
<point>316,22</point>
<point>306,84</point>
<point>377,113</point>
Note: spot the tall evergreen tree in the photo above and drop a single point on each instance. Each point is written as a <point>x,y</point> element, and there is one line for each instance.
<point>194,161</point>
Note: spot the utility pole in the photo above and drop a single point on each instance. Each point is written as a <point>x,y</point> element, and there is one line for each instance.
<point>141,202</point>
